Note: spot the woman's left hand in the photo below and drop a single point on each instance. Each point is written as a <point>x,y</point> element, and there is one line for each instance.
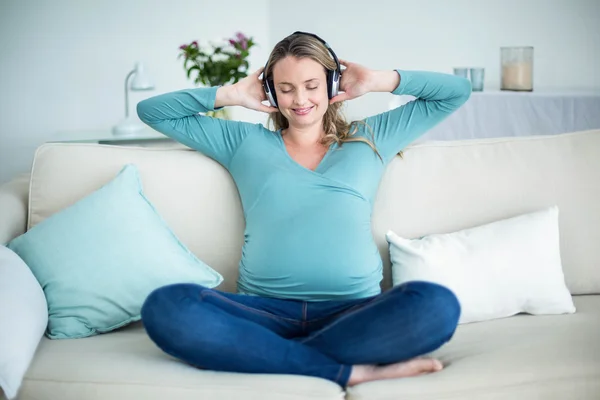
<point>355,82</point>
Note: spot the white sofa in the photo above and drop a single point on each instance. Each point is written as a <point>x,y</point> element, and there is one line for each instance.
<point>437,187</point>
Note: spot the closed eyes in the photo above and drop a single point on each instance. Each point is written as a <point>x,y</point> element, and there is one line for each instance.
<point>310,88</point>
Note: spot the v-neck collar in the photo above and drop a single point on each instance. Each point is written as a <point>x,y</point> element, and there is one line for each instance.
<point>287,155</point>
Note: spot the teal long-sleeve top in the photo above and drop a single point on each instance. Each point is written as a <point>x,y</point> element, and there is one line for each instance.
<point>308,233</point>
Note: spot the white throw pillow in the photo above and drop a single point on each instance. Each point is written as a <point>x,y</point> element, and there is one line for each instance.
<point>496,270</point>
<point>23,320</point>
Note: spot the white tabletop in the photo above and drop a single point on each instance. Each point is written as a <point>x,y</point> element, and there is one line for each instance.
<point>497,113</point>
<point>540,93</point>
<point>106,135</point>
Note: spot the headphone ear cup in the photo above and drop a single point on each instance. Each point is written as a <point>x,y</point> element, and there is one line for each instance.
<point>330,78</point>
<point>333,83</point>
<point>269,88</point>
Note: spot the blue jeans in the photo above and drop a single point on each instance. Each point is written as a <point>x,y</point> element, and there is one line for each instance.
<point>222,331</point>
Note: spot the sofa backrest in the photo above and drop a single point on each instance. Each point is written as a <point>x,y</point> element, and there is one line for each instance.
<point>437,187</point>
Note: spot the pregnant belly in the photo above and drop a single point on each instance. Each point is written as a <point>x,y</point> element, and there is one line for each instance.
<point>334,263</point>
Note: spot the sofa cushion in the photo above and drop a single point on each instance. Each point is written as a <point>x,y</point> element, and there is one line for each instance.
<point>98,259</point>
<point>125,364</point>
<point>438,187</point>
<point>193,194</point>
<point>443,187</point>
<point>23,320</point>
<point>496,270</point>
<point>520,358</point>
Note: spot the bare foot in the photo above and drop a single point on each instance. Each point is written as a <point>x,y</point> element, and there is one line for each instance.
<point>414,367</point>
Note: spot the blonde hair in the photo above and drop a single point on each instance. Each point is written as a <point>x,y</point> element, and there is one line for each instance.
<point>334,123</point>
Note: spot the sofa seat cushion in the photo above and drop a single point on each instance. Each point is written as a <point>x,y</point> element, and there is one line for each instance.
<point>521,357</point>
<point>125,364</point>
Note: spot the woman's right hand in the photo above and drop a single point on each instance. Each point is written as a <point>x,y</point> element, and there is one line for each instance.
<point>248,93</point>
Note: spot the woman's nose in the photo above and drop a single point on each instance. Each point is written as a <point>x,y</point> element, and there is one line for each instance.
<point>300,98</point>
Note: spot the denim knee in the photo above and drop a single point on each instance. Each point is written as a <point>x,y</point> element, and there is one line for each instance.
<point>162,308</point>
<point>443,301</point>
<point>156,307</point>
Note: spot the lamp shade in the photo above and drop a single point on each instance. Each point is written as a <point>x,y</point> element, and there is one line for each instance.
<point>141,81</point>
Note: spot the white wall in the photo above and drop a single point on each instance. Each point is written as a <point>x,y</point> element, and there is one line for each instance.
<point>63,62</point>
<point>440,34</point>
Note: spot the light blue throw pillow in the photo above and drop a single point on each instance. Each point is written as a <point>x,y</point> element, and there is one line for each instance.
<point>99,259</point>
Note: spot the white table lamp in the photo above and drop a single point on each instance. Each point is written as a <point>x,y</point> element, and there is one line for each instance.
<point>140,81</point>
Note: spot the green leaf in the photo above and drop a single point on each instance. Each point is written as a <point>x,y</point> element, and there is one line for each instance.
<point>195,67</point>
<point>232,64</point>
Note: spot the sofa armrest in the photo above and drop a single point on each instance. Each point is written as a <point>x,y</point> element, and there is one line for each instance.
<point>13,208</point>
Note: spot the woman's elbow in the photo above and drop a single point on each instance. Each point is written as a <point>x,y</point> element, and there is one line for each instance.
<point>465,89</point>
<point>461,91</point>
<point>142,111</point>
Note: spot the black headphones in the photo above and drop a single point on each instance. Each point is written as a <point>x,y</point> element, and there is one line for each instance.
<point>333,76</point>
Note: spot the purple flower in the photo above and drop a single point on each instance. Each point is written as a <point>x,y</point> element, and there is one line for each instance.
<point>232,42</point>
<point>241,37</point>
<point>183,47</point>
<point>195,43</point>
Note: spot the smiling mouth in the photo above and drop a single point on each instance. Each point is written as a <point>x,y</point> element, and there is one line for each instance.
<point>302,111</point>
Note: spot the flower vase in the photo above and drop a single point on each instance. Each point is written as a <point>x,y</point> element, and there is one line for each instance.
<point>223,113</point>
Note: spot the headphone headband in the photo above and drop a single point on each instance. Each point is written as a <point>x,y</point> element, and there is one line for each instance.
<point>337,62</point>
<point>333,76</point>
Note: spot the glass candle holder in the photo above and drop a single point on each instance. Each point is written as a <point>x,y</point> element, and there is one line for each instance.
<point>477,77</point>
<point>462,72</point>
<point>517,68</point>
